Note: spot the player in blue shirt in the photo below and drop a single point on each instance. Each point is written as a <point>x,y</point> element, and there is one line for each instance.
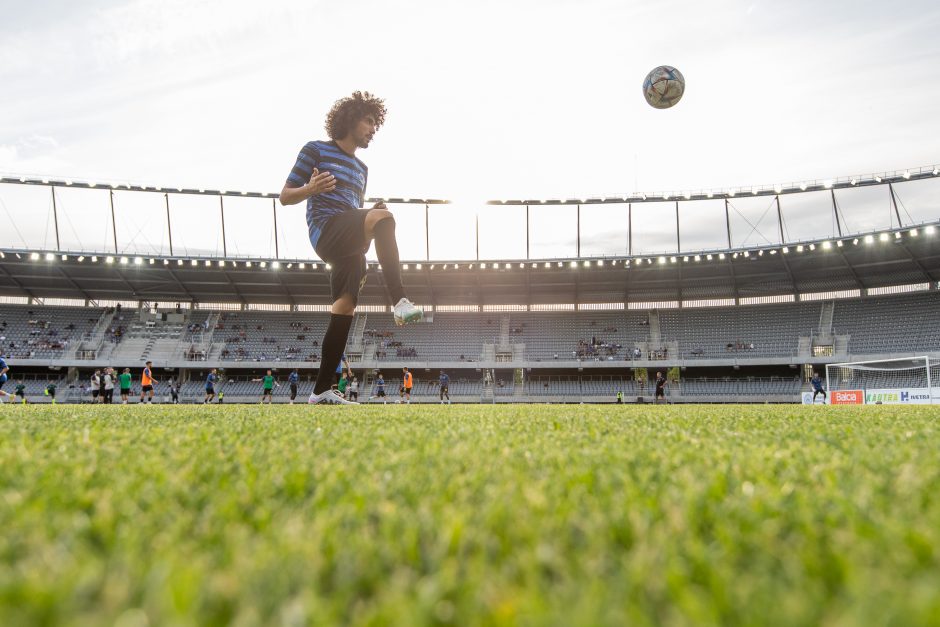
<point>210,386</point>
<point>293,379</point>
<point>818,387</point>
<point>379,389</point>
<point>4,369</point>
<point>332,181</point>
<point>444,380</point>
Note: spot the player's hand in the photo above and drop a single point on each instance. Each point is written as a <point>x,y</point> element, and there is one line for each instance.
<point>380,205</point>
<point>321,182</point>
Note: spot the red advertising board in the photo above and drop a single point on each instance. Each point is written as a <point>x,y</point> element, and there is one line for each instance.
<point>848,397</point>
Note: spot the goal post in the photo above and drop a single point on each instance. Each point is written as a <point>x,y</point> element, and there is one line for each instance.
<point>900,381</point>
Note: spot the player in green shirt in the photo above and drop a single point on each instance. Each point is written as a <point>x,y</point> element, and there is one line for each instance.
<point>125,380</point>
<point>268,383</point>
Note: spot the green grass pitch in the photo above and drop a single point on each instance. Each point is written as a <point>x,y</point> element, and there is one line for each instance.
<point>469,515</point>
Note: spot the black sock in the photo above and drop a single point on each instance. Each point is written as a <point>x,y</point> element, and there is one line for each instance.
<point>386,249</point>
<point>334,343</point>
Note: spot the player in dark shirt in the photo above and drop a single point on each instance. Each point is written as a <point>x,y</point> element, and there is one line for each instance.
<point>444,380</point>
<point>332,181</point>
<point>660,387</point>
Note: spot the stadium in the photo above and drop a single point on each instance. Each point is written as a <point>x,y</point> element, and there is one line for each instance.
<point>566,313</point>
<point>749,321</point>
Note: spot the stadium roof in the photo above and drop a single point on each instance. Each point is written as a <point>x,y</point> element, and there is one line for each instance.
<point>896,257</point>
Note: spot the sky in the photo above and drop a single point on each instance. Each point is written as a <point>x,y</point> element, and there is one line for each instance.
<point>486,99</point>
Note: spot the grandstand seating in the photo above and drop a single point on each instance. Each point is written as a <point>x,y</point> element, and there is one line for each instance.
<point>39,332</point>
<point>900,324</point>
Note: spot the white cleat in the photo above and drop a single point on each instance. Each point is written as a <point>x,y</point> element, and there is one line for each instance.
<point>329,397</point>
<point>405,312</point>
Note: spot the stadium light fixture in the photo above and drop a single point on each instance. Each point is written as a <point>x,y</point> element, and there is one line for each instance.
<point>560,264</point>
<point>672,260</point>
<point>854,181</point>
<point>138,261</point>
<point>94,259</point>
<point>65,257</point>
<point>708,257</point>
<point>778,188</point>
<point>600,262</point>
<point>877,179</point>
<point>754,191</point>
<point>208,263</point>
<point>418,266</point>
<point>731,193</point>
<point>855,242</point>
<point>404,266</point>
<point>722,256</point>
<point>573,264</point>
<point>685,259</point>
<point>194,262</point>
<point>773,252</point>
<point>68,181</point>
<point>897,235</point>
<point>913,232</point>
<point>179,262</point>
<point>327,266</point>
<point>802,187</point>
<point>124,261</point>
<point>799,248</point>
<point>760,253</point>
<point>734,255</point>
<point>662,260</point>
<point>869,239</point>
<point>152,261</point>
<point>698,257</point>
<point>166,262</point>
<point>50,257</point>
<point>548,264</point>
<point>936,171</point>
<point>483,266</point>
<point>221,263</point>
<point>34,256</point>
<point>109,259</point>
<point>263,264</point>
<point>840,243</point>
<point>301,266</point>
<point>746,254</point>
<point>81,258</point>
<point>785,250</point>
<point>506,266</point>
<point>587,264</point>
<point>828,184</point>
<point>275,265</point>
<point>883,237</point>
<point>929,230</point>
<point>827,245</point>
<point>907,174</point>
<point>812,246</point>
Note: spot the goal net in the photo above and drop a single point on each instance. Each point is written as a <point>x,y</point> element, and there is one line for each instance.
<point>905,381</point>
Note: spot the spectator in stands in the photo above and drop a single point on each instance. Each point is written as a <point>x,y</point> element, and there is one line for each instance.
<point>341,231</point>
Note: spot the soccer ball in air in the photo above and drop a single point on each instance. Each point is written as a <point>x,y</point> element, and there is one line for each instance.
<point>663,87</point>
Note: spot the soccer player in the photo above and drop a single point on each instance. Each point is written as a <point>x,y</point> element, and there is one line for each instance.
<point>342,385</point>
<point>108,385</point>
<point>146,383</point>
<point>174,391</point>
<point>380,389</point>
<point>406,383</point>
<point>444,380</point>
<point>660,387</point>
<point>50,391</point>
<point>125,380</point>
<point>4,369</point>
<point>293,378</point>
<point>95,386</point>
<point>332,180</point>
<point>210,386</point>
<point>354,389</point>
<point>818,387</point>
<point>267,389</point>
<point>20,391</point>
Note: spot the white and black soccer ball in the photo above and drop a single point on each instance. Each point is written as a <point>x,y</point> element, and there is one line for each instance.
<point>663,87</point>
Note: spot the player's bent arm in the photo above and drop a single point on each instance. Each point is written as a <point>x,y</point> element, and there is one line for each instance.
<point>294,195</point>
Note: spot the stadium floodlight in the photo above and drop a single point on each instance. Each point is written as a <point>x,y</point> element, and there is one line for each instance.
<point>672,260</point>
<point>208,263</point>
<point>746,253</point>
<point>828,184</point>
<point>417,266</point>
<point>754,191</point>
<point>760,253</point>
<point>194,262</point>
<point>812,246</point>
<point>662,260</point>
<point>827,245</point>
<point>710,195</point>
<point>855,241</point>
<point>907,174</point>
<point>328,267</point>
<point>94,259</point>
<point>877,179</point>
<point>34,256</point>
<point>869,239</point>
<point>913,232</point>
<point>929,229</point>
<point>247,264</point>
<point>301,266</point>
<point>124,261</point>
<point>68,181</point>
<point>785,250</point>
<point>840,243</point>
<point>773,252</point>
<point>778,188</point>
<point>685,258</point>
<point>936,171</point>
<point>81,258</point>
<point>802,187</point>
<point>50,257</point>
<point>138,261</point>
<point>548,264</point>
<point>573,264</point>
<point>883,237</point>
<point>854,181</point>
<point>731,193</point>
<point>109,259</point>
<point>897,235</point>
<point>263,264</point>
<point>799,248</point>
<point>699,257</point>
<point>152,261</point>
<point>404,266</point>
<point>221,263</point>
<point>166,262</point>
<point>587,264</point>
<point>600,262</point>
<point>275,265</point>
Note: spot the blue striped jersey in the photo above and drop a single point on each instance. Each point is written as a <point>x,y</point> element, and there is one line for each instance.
<point>350,191</point>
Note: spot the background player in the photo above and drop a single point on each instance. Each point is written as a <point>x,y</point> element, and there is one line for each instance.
<point>267,389</point>
<point>210,386</point>
<point>125,380</point>
<point>146,383</point>
<point>332,180</point>
<point>660,387</point>
<point>406,383</point>
<point>293,379</point>
<point>818,387</point>
<point>444,380</point>
<point>4,369</point>
<point>379,389</point>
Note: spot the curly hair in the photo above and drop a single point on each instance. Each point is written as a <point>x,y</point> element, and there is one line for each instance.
<point>347,112</point>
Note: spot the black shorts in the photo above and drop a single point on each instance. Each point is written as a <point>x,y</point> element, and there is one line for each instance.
<point>19,392</point>
<point>125,391</point>
<point>94,393</point>
<point>293,391</point>
<point>660,393</point>
<point>380,394</point>
<point>445,389</point>
<point>343,245</point>
<point>210,390</point>
<point>146,388</point>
